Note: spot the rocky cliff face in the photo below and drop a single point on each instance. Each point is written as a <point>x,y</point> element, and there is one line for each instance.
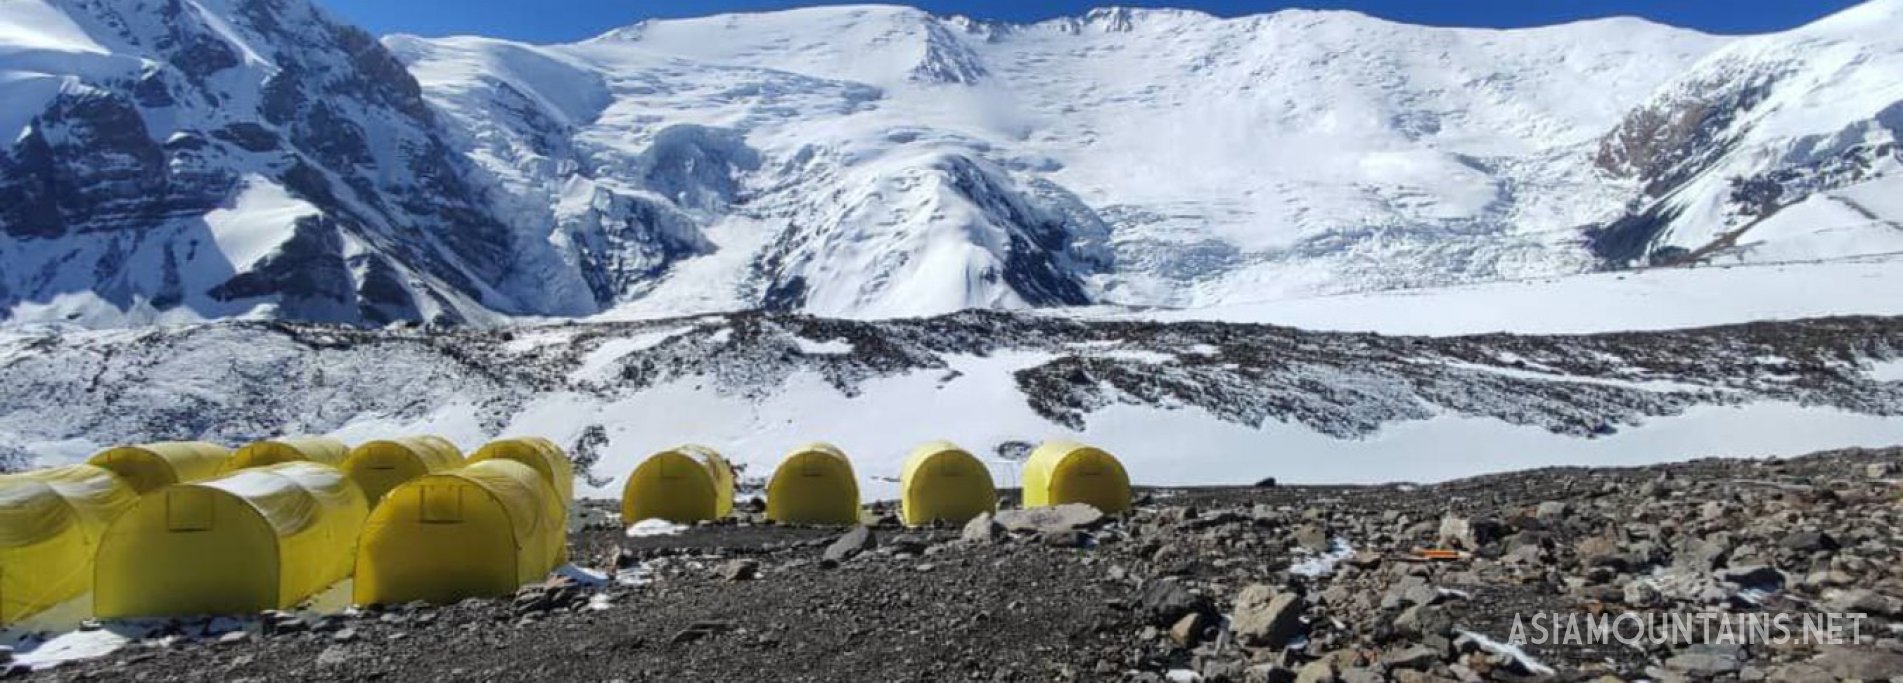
<point>134,184</point>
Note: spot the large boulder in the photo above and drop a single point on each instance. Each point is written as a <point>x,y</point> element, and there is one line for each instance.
<point>1266,618</point>
<point>1066,517</point>
<point>1165,602</point>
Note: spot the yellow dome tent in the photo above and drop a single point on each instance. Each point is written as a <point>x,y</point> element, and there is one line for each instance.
<point>317,449</point>
<point>814,485</point>
<point>683,485</point>
<point>153,466</point>
<point>539,453</point>
<point>257,539</point>
<point>382,465</point>
<point>479,531</point>
<point>51,522</point>
<point>942,482</point>
<point>1067,472</point>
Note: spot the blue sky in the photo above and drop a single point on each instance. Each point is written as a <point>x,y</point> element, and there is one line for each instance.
<point>567,20</point>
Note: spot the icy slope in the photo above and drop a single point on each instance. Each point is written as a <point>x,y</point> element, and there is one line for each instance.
<point>1182,403</point>
<point>1138,156</point>
<point>1806,122</point>
<point>1647,299</point>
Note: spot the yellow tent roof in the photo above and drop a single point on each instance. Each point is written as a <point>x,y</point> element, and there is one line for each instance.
<point>942,482</point>
<point>536,452</point>
<point>152,466</point>
<point>1061,472</point>
<point>382,465</point>
<point>815,484</point>
<point>51,522</point>
<point>479,531</point>
<point>684,484</point>
<point>256,539</point>
<point>318,449</point>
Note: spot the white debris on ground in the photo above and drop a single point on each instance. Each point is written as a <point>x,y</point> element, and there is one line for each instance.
<point>73,645</point>
<point>581,575</point>
<point>654,527</point>
<point>1496,647</point>
<point>1323,564</point>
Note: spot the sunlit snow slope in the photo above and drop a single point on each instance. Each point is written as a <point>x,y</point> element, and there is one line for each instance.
<point>174,161</point>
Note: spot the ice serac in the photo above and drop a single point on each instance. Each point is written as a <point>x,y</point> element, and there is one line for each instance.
<point>1777,147</point>
<point>182,160</point>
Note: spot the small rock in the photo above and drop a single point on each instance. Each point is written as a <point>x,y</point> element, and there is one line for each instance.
<point>1313,537</point>
<point>1864,601</point>
<point>1469,534</point>
<point>1188,630</point>
<point>1424,620</point>
<point>335,655</point>
<point>981,529</point>
<point>850,544</point>
<point>1860,664</point>
<point>1707,661</point>
<point>344,635</point>
<point>1753,576</point>
<point>1418,657</point>
<point>1808,542</point>
<point>1062,539</point>
<point>1165,601</point>
<point>1552,509</point>
<point>1318,671</point>
<point>740,570</point>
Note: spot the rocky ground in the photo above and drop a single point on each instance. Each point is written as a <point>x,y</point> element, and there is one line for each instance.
<point>1233,584</point>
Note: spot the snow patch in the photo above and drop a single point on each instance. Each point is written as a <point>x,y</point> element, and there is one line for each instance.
<point>654,527</point>
<point>1887,371</point>
<point>823,348</point>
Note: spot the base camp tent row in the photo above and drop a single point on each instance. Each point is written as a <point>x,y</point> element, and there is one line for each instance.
<point>814,485</point>
<point>382,465</point>
<point>1061,472</point>
<point>943,483</point>
<point>483,530</point>
<point>51,522</point>
<point>317,449</point>
<point>685,484</point>
<point>536,452</point>
<point>153,466</point>
<point>256,539</point>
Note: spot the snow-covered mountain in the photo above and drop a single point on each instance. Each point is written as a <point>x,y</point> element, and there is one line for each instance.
<point>186,159</point>
<point>1777,147</point>
<point>211,158</point>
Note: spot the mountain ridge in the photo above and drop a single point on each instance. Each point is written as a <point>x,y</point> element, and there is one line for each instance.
<point>877,160</point>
